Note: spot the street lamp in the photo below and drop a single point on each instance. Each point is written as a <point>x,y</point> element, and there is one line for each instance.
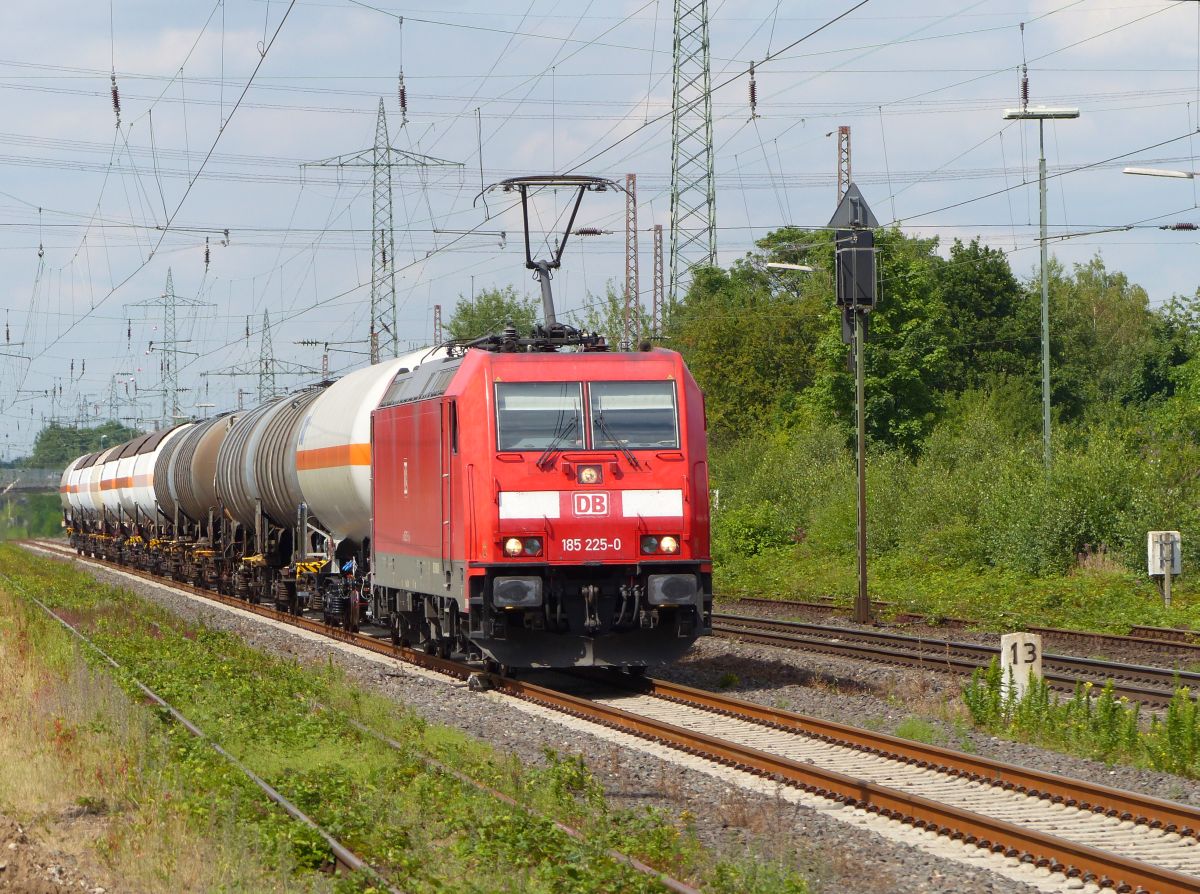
<point>1159,172</point>
<point>1040,114</point>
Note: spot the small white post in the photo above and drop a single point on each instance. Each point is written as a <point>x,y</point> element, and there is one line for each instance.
<point>1163,559</point>
<point>1020,659</point>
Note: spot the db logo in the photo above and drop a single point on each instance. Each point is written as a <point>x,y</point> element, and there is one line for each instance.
<point>591,504</point>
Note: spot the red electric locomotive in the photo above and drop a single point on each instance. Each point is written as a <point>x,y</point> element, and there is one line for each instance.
<point>541,501</point>
<point>546,509</point>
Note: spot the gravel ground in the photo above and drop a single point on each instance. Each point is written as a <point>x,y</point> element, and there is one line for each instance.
<point>833,855</point>
<point>32,861</point>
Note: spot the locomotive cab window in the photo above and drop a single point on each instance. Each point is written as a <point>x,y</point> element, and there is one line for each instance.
<point>539,415</point>
<point>634,415</point>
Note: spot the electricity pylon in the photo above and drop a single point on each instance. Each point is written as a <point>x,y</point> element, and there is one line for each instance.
<point>168,346</point>
<point>267,367</point>
<point>380,158</point>
<point>693,191</point>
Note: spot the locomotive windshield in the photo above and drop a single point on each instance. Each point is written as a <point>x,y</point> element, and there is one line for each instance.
<point>535,415</point>
<point>633,415</point>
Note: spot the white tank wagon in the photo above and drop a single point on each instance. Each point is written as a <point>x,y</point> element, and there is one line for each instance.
<point>76,482</point>
<point>141,492</point>
<point>333,449</point>
<point>64,484</point>
<point>119,481</point>
<point>93,500</point>
<point>109,498</point>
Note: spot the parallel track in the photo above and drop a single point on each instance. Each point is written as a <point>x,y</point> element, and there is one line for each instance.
<point>1118,839</point>
<point>1180,647</point>
<point>1148,685</point>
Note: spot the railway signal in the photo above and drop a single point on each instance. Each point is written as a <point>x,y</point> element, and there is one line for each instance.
<point>854,243</point>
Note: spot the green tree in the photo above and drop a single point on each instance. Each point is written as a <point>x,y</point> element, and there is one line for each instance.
<point>606,316</point>
<point>907,350</point>
<point>749,341</point>
<point>1102,339</point>
<point>993,321</point>
<point>490,311</point>
<point>57,445</point>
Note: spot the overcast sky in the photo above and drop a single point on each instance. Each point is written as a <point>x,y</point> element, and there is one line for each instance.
<point>541,86</point>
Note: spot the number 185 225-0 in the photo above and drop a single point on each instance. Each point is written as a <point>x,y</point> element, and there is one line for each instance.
<point>591,544</point>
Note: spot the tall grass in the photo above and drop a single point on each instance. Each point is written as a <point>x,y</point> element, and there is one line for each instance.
<point>1094,724</point>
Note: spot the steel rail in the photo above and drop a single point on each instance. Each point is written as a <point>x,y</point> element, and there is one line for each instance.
<point>1183,644</point>
<point>1107,869</point>
<point>1141,809</point>
<point>1064,672</point>
<point>344,856</point>
<point>1076,859</point>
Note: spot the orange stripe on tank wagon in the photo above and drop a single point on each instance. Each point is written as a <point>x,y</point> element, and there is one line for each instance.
<point>331,457</point>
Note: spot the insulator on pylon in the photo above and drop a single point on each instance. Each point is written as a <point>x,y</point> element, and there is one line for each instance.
<point>72,369</point>
<point>207,253</point>
<point>128,331</point>
<point>1180,226</point>
<point>116,97</point>
<point>247,329</point>
<point>402,97</point>
<point>1024,87</point>
<point>753,93</point>
<point>83,366</point>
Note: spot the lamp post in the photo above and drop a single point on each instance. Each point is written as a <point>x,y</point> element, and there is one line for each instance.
<point>1040,114</point>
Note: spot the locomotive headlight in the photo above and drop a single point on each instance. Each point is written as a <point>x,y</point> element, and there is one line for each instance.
<point>533,546</point>
<point>513,546</point>
<point>590,475</point>
<point>665,545</point>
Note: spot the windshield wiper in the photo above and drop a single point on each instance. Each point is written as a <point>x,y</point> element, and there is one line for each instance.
<point>599,420</point>
<point>559,437</point>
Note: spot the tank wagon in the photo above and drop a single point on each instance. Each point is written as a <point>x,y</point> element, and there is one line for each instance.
<point>532,501</point>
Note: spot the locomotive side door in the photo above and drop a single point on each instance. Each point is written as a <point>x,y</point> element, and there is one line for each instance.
<point>449,448</point>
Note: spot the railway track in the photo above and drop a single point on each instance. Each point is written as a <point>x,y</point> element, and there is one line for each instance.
<point>1180,647</point>
<point>1086,832</point>
<point>1154,686</point>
